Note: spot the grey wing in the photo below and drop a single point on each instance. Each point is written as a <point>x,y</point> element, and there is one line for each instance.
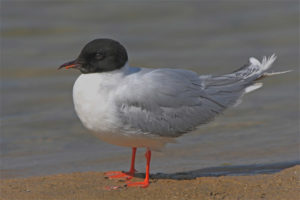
<point>166,102</point>
<point>170,102</point>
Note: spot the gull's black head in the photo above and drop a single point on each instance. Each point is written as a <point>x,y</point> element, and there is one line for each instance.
<point>100,55</point>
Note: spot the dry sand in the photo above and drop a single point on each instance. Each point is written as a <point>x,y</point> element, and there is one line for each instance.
<point>90,185</point>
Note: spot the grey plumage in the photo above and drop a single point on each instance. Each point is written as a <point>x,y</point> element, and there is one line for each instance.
<point>173,102</point>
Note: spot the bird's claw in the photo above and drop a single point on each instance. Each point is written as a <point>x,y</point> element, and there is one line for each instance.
<point>142,184</point>
<point>119,175</point>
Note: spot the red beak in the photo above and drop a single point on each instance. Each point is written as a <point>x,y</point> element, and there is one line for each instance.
<point>71,64</point>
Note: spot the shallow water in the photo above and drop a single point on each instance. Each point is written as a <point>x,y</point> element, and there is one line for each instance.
<point>40,133</point>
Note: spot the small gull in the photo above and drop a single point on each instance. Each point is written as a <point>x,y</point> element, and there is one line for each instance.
<point>143,107</point>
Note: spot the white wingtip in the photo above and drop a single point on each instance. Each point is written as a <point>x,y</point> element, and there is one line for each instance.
<point>254,61</point>
<point>265,63</point>
<point>253,87</point>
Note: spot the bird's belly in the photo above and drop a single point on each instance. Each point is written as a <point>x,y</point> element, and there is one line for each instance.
<point>102,124</point>
<point>120,139</point>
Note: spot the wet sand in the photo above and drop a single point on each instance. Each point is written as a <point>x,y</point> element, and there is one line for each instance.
<point>90,185</point>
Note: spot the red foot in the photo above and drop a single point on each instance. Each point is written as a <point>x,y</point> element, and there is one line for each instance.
<point>142,184</point>
<point>119,175</point>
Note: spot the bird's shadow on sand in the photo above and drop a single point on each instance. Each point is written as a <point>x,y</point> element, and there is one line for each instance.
<point>224,171</point>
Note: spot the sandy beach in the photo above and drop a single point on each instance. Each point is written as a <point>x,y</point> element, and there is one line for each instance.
<point>91,185</point>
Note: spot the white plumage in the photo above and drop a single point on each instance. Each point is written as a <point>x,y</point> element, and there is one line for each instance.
<point>139,107</point>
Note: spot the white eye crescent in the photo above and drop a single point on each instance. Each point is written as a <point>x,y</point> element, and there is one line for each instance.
<point>99,55</point>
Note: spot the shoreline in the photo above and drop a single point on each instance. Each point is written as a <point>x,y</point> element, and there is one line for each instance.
<point>91,185</point>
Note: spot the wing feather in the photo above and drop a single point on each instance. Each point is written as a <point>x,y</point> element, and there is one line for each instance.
<point>170,103</point>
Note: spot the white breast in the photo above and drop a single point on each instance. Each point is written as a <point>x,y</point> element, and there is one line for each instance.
<point>91,96</point>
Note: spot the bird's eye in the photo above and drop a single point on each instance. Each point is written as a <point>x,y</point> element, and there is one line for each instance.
<point>99,55</point>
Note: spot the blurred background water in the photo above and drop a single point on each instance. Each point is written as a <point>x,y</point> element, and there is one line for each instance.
<point>40,133</point>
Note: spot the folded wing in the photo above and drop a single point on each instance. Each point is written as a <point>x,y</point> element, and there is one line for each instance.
<point>173,102</point>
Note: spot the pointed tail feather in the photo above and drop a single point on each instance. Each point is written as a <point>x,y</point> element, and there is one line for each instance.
<point>256,70</point>
<point>229,88</point>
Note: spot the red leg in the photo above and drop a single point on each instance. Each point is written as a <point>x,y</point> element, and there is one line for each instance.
<point>144,183</point>
<point>132,169</point>
<point>124,175</point>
